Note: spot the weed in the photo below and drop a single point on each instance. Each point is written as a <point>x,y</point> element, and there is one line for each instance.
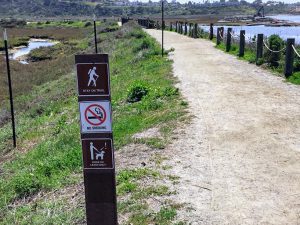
<point>137,91</point>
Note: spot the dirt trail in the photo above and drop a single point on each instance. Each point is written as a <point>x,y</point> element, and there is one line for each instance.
<point>239,159</point>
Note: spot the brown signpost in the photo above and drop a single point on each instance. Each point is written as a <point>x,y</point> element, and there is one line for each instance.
<point>94,99</point>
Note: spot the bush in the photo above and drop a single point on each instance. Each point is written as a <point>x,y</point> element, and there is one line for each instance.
<point>26,184</point>
<point>136,92</point>
<point>137,34</point>
<point>275,44</point>
<point>297,65</point>
<point>87,24</point>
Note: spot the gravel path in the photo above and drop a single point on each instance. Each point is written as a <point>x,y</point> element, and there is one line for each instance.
<point>239,159</point>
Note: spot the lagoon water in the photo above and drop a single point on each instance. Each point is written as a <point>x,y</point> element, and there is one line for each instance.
<point>32,44</point>
<point>283,32</point>
<point>292,18</point>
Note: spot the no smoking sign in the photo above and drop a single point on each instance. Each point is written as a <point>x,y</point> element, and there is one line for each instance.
<point>95,117</point>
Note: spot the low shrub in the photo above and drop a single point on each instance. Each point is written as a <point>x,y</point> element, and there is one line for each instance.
<point>87,24</point>
<point>136,92</point>
<point>275,44</point>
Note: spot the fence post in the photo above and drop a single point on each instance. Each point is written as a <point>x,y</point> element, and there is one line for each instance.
<point>196,30</point>
<point>176,26</point>
<point>218,35</point>
<point>289,57</point>
<point>180,27</point>
<point>185,28</point>
<point>228,39</point>
<point>10,90</point>
<point>171,28</point>
<point>259,47</point>
<point>242,43</point>
<point>190,29</point>
<point>211,31</point>
<point>222,32</point>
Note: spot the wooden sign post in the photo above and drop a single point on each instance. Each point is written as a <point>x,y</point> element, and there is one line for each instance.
<point>94,99</point>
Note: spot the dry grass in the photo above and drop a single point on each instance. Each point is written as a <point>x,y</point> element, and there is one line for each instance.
<point>25,77</point>
<point>57,33</point>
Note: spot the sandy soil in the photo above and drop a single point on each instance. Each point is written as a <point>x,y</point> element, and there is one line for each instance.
<point>239,159</point>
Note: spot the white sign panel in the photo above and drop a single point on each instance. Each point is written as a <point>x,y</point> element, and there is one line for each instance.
<point>95,116</point>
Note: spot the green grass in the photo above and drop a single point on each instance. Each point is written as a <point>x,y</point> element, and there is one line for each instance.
<point>15,42</point>
<point>70,24</point>
<point>49,150</point>
<point>295,78</point>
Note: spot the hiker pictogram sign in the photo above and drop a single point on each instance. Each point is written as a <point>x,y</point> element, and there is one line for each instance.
<point>95,116</point>
<point>93,79</point>
<point>97,153</point>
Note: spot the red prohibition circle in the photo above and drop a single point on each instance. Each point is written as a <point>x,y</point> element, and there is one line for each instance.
<point>88,109</point>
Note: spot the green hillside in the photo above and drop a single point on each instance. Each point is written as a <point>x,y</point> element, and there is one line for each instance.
<point>41,180</point>
<point>106,8</point>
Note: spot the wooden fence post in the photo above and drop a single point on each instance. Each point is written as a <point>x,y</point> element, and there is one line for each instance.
<point>171,26</point>
<point>211,31</point>
<point>242,43</point>
<point>222,32</point>
<point>195,30</point>
<point>180,27</point>
<point>259,47</point>
<point>218,35</point>
<point>228,39</point>
<point>190,29</point>
<point>185,28</point>
<point>289,57</point>
<point>176,26</point>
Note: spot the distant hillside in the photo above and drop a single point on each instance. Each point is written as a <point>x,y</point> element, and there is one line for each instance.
<point>107,8</point>
<point>44,8</point>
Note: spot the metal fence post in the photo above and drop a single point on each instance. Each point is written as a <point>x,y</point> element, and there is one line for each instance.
<point>10,90</point>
